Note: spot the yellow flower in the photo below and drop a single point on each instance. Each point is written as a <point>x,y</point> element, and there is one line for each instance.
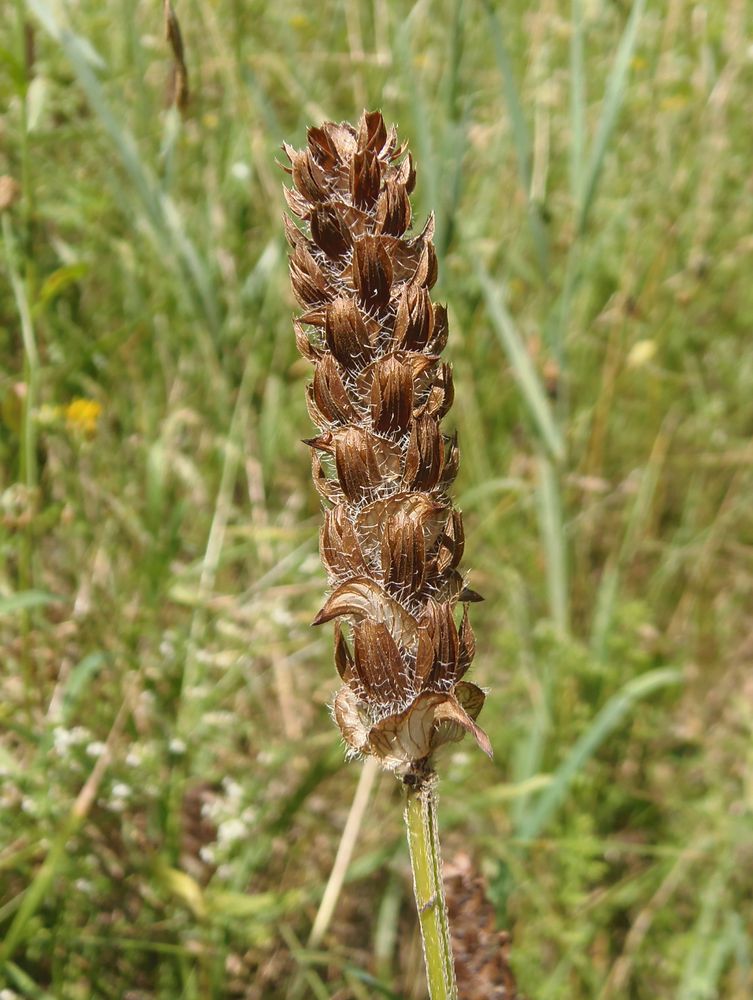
<point>81,416</point>
<point>641,353</point>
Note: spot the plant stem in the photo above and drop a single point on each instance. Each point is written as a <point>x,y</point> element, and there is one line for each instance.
<point>428,888</point>
<point>25,60</point>
<point>27,474</point>
<point>350,833</point>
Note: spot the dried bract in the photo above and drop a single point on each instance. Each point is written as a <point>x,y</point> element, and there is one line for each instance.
<point>391,540</point>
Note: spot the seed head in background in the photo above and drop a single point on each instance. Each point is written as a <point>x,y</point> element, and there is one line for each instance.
<point>391,541</point>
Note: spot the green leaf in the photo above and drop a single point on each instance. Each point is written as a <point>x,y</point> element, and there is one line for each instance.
<point>36,98</point>
<point>182,885</point>
<point>23,981</point>
<point>260,905</point>
<point>523,368</point>
<point>165,221</point>
<point>25,600</point>
<point>577,100</point>
<point>553,536</point>
<point>607,720</point>
<point>520,130</point>
<point>78,680</point>
<point>58,281</point>
<point>613,98</point>
<point>521,137</point>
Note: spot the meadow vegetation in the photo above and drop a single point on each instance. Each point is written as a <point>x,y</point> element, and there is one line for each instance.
<point>173,789</point>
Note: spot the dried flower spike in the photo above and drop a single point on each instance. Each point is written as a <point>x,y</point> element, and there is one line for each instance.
<point>481,951</point>
<point>391,540</point>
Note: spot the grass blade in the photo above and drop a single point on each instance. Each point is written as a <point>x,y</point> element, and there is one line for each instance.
<point>613,99</point>
<point>523,369</point>
<point>521,137</point>
<point>520,131</point>
<point>710,944</point>
<point>25,600</point>
<point>577,101</point>
<point>607,720</point>
<point>22,981</point>
<point>78,681</point>
<point>32,370</point>
<point>57,855</point>
<point>164,218</point>
<point>555,544</point>
<point>352,827</point>
<point>609,586</point>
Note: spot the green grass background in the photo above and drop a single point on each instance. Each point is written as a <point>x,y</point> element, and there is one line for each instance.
<point>173,791</point>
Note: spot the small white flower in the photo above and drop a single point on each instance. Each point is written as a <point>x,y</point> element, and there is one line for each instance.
<point>61,739</point>
<point>249,815</point>
<point>231,830</point>
<point>95,749</point>
<point>232,790</point>
<point>206,853</point>
<point>209,809</point>
<point>177,746</point>
<point>120,790</point>
<point>240,170</point>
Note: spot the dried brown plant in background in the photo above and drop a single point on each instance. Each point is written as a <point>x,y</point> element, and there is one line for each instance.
<point>481,964</point>
<point>178,91</point>
<point>391,540</point>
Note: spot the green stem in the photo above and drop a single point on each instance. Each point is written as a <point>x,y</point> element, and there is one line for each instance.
<point>423,841</point>
<point>28,474</point>
<point>27,193</point>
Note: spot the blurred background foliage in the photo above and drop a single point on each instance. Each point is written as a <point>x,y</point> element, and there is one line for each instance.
<point>173,791</point>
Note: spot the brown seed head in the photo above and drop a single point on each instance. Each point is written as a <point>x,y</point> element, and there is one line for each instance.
<point>391,540</point>
<point>480,950</point>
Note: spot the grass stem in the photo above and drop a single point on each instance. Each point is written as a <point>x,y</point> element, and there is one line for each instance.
<point>336,880</point>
